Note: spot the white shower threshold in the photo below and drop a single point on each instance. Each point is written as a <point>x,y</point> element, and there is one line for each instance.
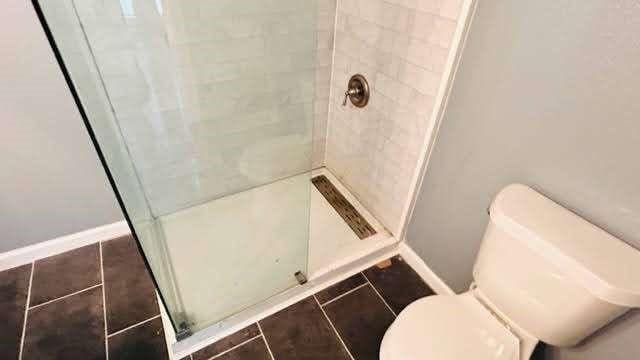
<point>194,233</point>
<point>272,305</point>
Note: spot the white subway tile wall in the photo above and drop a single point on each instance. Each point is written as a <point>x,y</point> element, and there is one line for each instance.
<point>401,46</point>
<point>214,97</point>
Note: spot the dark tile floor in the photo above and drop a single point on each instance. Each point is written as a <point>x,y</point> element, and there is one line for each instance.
<point>98,302</point>
<point>63,300</point>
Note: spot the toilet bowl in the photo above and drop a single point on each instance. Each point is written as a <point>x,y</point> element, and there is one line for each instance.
<point>448,327</point>
<point>542,274</point>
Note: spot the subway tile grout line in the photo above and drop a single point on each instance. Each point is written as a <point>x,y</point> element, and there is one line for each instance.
<point>343,295</point>
<point>104,304</point>
<point>26,312</point>
<point>379,295</point>
<point>265,340</point>
<point>232,348</point>
<point>65,296</point>
<point>134,325</point>
<point>333,327</point>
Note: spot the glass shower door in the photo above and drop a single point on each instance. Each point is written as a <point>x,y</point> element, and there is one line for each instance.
<point>203,111</point>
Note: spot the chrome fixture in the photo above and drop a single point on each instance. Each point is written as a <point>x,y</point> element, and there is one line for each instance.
<point>357,91</point>
<point>300,277</point>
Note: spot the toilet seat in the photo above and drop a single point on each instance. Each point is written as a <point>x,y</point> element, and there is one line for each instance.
<point>448,328</point>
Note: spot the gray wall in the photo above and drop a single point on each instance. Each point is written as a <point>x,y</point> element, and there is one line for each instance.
<point>51,182</point>
<point>547,94</point>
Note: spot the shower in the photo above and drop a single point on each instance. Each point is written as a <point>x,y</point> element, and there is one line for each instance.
<point>211,120</point>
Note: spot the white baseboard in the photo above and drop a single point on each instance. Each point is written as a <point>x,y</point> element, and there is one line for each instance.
<point>433,280</point>
<point>28,254</point>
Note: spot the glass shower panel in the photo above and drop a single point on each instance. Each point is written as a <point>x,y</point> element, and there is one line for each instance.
<point>71,43</point>
<point>209,104</point>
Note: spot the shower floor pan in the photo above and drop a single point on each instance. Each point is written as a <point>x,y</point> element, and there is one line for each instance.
<point>212,248</point>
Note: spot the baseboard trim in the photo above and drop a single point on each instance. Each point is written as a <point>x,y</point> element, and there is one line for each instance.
<point>434,281</point>
<point>28,254</point>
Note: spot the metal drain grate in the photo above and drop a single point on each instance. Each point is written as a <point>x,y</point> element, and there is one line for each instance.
<point>349,214</point>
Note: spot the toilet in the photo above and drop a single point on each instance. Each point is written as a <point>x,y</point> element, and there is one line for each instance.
<point>542,274</point>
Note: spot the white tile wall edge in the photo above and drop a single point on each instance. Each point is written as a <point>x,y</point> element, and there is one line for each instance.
<point>333,74</point>
<point>425,272</point>
<point>276,303</point>
<point>28,254</point>
<point>451,66</point>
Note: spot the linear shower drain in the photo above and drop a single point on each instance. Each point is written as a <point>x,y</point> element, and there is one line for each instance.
<point>343,207</point>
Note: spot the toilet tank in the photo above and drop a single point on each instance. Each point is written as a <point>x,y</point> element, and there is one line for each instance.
<point>551,273</point>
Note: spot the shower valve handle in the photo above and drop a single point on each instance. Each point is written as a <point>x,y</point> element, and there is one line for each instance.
<point>349,93</point>
<point>357,91</point>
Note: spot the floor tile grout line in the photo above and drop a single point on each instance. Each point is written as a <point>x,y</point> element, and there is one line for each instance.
<point>65,296</point>
<point>69,294</point>
<point>265,340</point>
<point>232,348</point>
<point>134,325</point>
<point>334,328</point>
<point>379,295</point>
<point>343,295</point>
<point>104,303</point>
<point>26,312</point>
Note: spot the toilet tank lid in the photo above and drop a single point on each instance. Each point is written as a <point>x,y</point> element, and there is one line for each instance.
<point>604,265</point>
